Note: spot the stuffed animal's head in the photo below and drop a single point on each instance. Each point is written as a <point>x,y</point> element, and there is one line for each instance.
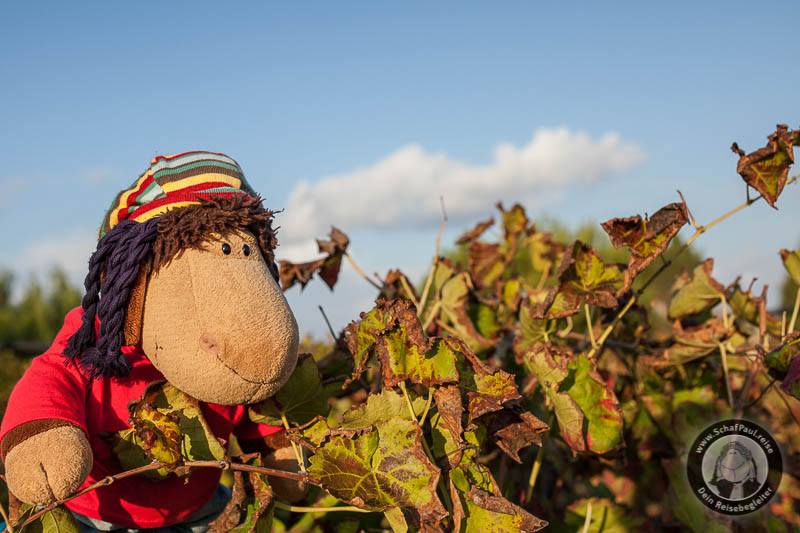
<point>185,268</point>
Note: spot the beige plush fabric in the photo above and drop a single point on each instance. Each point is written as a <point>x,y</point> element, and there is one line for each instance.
<point>217,325</point>
<point>49,465</point>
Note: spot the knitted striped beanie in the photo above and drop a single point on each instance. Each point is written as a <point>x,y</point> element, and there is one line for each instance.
<point>176,181</point>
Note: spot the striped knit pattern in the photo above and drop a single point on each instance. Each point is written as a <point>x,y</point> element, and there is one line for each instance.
<point>176,181</point>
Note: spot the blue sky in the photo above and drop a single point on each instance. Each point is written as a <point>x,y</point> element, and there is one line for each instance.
<point>331,108</point>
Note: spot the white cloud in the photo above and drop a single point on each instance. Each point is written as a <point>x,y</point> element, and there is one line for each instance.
<point>403,189</point>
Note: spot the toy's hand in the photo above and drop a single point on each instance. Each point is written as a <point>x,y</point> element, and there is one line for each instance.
<point>285,489</point>
<point>48,466</point>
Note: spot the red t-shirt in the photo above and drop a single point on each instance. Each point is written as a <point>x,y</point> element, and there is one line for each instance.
<point>50,388</point>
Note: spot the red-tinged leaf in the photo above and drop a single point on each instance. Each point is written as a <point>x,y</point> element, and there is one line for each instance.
<point>476,232</point>
<point>646,238</point>
<point>767,169</point>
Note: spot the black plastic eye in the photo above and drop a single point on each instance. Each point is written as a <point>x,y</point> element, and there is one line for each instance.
<point>226,248</point>
<point>246,249</point>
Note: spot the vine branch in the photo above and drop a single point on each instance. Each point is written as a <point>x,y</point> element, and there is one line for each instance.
<point>221,465</point>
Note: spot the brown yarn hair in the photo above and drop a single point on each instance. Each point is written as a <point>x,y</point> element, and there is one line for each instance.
<point>187,227</point>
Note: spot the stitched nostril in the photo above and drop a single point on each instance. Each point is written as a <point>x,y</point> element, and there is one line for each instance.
<point>209,344</point>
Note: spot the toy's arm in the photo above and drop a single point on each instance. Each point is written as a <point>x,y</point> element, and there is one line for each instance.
<point>43,440</point>
<point>48,465</point>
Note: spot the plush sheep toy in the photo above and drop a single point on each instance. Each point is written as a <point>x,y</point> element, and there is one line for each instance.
<point>182,288</point>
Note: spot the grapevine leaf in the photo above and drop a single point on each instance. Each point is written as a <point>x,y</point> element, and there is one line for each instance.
<point>477,509</point>
<point>167,426</point>
<point>379,468</point>
<point>588,412</point>
<point>532,330</point>
<point>791,261</point>
<point>599,405</point>
<point>486,263</point>
<point>327,267</point>
<point>301,399</point>
<point>513,430</point>
<point>746,306</point>
<point>396,519</point>
<point>361,336</point>
<point>393,333</point>
<point>645,238</point>
<point>379,408</point>
<point>697,293</point>
<point>475,232</point>
<point>583,278</point>
<point>446,431</point>
<point>694,342</point>
<point>455,295</point>
<point>543,251</point>
<point>397,285</point>
<point>487,389</point>
<point>515,222</point>
<point>606,517</point>
<point>784,361</point>
<point>401,357</point>
<point>58,520</point>
<point>767,169</point>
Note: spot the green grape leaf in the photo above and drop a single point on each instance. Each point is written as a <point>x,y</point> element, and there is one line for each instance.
<point>767,169</point>
<point>543,251</point>
<point>791,261</point>
<point>588,412</point>
<point>300,400</point>
<point>583,278</point>
<point>379,468</point>
<point>784,361</point>
<point>606,517</point>
<point>476,510</point>
<point>531,331</point>
<point>380,408</point>
<point>392,332</point>
<point>746,306</point>
<point>455,304</point>
<point>487,389</point>
<point>515,222</point>
<point>646,238</point>
<point>58,520</point>
<point>696,294</point>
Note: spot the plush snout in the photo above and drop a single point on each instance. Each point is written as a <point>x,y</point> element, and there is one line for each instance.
<point>217,325</point>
